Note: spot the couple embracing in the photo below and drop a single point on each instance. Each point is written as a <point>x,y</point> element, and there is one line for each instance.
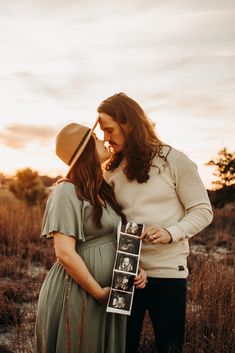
<point>136,178</point>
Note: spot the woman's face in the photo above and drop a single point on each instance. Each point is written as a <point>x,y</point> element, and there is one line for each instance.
<point>102,151</point>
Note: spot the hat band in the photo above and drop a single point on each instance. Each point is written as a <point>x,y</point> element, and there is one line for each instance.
<point>79,146</point>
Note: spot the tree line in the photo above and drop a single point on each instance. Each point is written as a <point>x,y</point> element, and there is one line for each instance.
<point>27,185</point>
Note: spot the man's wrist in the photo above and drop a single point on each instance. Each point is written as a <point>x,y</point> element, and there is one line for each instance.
<point>171,239</point>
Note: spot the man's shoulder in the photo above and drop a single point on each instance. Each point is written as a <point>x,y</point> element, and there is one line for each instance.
<point>173,154</point>
<point>167,153</point>
<point>179,160</point>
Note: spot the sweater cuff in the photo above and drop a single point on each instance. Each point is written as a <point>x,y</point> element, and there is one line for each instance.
<point>176,233</point>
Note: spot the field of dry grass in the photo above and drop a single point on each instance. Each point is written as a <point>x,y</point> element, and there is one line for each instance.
<point>25,259</point>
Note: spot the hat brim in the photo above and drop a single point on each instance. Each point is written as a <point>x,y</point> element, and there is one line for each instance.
<point>81,149</point>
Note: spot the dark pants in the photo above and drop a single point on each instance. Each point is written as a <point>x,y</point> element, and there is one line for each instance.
<point>165,300</point>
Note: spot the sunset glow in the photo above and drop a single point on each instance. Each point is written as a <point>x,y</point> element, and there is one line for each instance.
<point>59,60</point>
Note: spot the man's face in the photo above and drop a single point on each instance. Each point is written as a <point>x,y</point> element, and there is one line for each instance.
<point>112,133</point>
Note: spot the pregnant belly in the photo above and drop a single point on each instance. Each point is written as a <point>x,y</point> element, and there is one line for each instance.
<point>100,261</point>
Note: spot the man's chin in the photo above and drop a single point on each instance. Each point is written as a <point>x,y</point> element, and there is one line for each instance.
<point>114,149</point>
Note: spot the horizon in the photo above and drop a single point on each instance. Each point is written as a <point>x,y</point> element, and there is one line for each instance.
<point>63,168</point>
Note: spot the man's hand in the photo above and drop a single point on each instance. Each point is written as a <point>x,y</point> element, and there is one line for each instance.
<point>141,279</point>
<point>154,235</point>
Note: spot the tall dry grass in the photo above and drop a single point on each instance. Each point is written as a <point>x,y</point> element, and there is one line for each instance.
<point>211,304</point>
<point>23,264</point>
<point>25,259</point>
<point>210,308</point>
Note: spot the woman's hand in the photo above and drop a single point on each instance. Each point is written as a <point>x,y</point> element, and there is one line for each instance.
<point>65,249</point>
<point>154,234</point>
<point>141,279</point>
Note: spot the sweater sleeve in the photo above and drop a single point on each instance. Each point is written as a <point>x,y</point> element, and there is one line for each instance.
<point>193,196</point>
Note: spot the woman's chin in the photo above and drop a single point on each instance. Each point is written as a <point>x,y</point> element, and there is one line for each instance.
<point>105,157</point>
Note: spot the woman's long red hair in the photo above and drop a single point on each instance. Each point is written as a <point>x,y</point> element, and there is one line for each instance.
<point>87,176</point>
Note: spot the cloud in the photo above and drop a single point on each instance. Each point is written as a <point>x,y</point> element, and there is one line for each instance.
<point>17,136</point>
<point>41,84</point>
<point>194,102</point>
<point>201,104</point>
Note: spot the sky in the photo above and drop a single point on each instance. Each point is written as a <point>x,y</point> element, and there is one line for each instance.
<point>60,58</point>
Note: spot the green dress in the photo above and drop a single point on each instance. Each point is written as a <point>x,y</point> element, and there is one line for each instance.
<point>69,320</point>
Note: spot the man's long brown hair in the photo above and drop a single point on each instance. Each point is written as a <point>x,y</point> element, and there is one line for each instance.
<point>87,176</point>
<point>141,142</point>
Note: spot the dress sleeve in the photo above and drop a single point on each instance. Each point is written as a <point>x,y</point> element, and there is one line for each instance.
<point>193,196</point>
<point>63,213</point>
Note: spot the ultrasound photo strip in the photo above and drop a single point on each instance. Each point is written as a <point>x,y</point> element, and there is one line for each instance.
<point>125,267</point>
<point>123,281</point>
<point>128,243</point>
<point>126,262</point>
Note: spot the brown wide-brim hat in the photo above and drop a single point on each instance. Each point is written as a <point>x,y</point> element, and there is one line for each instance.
<point>71,141</point>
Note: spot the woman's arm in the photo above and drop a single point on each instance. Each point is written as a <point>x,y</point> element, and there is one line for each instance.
<point>76,267</point>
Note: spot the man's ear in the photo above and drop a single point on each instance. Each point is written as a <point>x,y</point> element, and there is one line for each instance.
<point>126,128</point>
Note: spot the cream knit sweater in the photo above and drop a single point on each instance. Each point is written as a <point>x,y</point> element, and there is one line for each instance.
<point>174,198</point>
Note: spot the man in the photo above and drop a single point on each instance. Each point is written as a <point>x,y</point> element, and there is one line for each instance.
<point>160,187</point>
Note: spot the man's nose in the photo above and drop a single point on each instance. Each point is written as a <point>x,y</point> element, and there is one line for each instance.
<point>106,136</point>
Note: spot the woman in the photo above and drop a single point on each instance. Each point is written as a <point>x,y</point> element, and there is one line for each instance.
<point>82,216</point>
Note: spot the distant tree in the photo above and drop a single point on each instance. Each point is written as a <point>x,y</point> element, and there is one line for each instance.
<point>27,186</point>
<point>224,164</point>
<point>48,181</point>
<point>2,179</point>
